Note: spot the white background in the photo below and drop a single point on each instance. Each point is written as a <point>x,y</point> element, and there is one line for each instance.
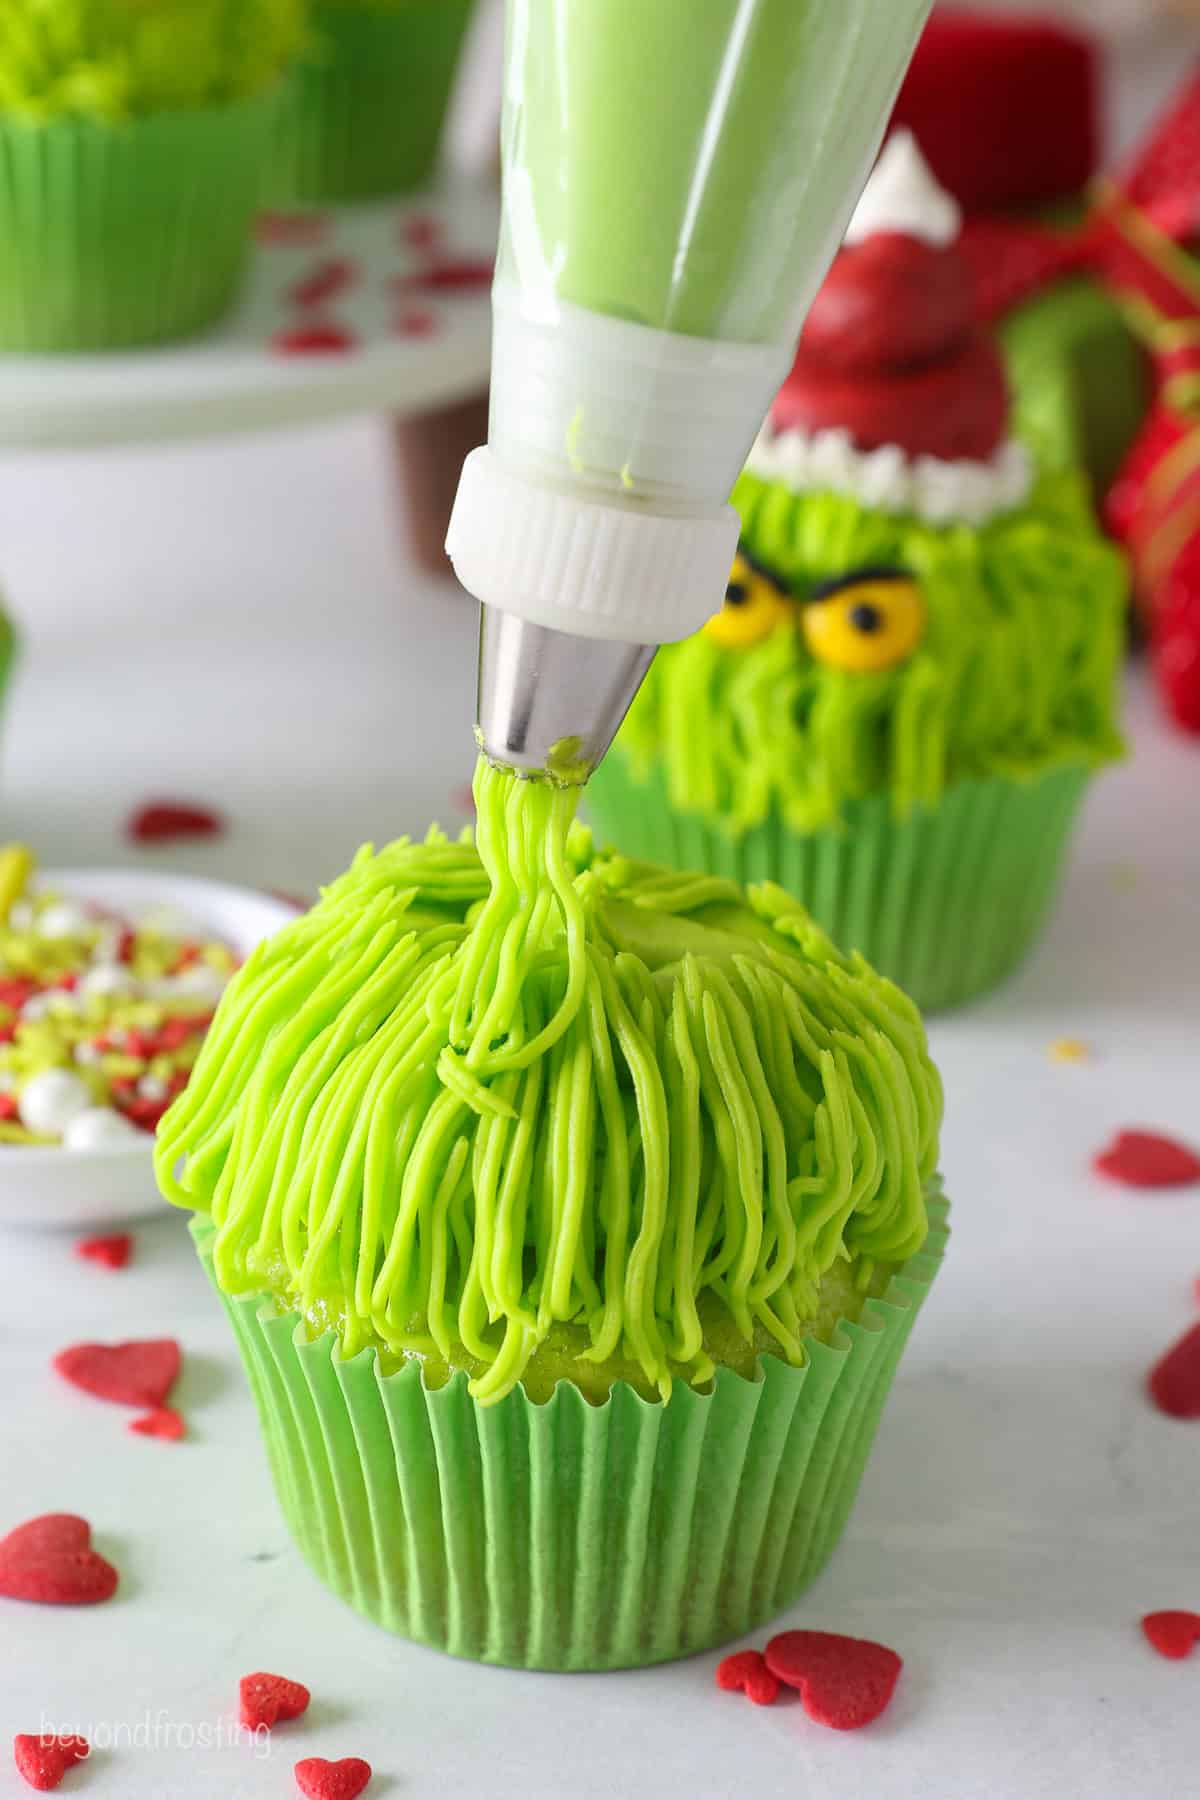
<point>238,623</point>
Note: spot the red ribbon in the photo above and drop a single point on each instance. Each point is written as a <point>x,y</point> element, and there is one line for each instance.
<point>1132,242</point>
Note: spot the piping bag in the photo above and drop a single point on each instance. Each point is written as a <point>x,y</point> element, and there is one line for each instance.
<point>677,176</point>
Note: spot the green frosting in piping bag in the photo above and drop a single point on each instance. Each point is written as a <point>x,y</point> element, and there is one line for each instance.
<point>489,1091</point>
<point>1017,671</point>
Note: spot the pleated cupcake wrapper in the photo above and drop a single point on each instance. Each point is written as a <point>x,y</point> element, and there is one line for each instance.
<point>566,1535</point>
<point>129,233</point>
<point>363,117</point>
<point>945,902</point>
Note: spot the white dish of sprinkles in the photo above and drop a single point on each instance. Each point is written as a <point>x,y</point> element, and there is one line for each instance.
<point>97,1167</point>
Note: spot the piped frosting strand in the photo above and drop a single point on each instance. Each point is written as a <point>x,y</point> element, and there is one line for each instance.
<point>481,1092</point>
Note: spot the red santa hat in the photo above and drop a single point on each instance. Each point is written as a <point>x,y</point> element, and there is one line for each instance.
<point>896,393</point>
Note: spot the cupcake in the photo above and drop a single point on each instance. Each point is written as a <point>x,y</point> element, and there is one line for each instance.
<point>133,138</point>
<point>363,111</point>
<point>915,673</point>
<point>571,1216</point>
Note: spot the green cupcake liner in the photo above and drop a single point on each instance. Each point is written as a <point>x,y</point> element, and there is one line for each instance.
<point>945,903</point>
<point>126,234</point>
<point>567,1535</point>
<point>362,118</point>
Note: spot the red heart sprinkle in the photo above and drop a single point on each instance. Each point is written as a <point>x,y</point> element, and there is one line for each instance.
<point>1143,1159</point>
<point>321,1780</point>
<point>45,1535</point>
<point>746,1671</point>
<point>163,1422</point>
<point>268,1699</point>
<point>161,820</point>
<point>415,321</point>
<point>291,228</point>
<point>1172,1634</point>
<point>43,1761</point>
<point>1174,1381</point>
<point>112,1252</point>
<point>326,281</point>
<point>139,1373</point>
<point>843,1681</point>
<point>448,273</point>
<point>421,230</point>
<point>49,1560</point>
<point>16,992</point>
<point>313,340</point>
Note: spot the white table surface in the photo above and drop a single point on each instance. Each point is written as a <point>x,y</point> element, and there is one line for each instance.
<point>1025,1505</point>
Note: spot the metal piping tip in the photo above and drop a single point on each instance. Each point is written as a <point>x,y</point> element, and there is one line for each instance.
<point>549,702</point>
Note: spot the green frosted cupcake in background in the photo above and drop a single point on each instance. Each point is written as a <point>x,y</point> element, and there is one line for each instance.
<point>133,139</point>
<point>362,113</point>
<point>571,1216</point>
<point>915,674</point>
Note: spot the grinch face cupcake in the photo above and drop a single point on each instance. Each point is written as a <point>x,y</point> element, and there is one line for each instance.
<point>535,1181</point>
<point>363,111</point>
<point>915,673</point>
<point>133,138</point>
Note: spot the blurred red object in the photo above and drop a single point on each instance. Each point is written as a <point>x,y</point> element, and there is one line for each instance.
<point>1006,110</point>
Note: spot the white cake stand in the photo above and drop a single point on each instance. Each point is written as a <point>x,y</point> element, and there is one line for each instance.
<point>412,314</point>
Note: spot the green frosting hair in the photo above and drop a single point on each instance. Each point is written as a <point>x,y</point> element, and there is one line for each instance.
<point>121,59</point>
<point>485,1088</point>
<point>1017,672</point>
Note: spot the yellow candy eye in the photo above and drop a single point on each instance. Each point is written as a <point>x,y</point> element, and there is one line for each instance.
<point>755,603</point>
<point>869,622</point>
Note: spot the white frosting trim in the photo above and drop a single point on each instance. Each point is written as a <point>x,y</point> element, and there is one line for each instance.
<point>940,493</point>
<point>903,195</point>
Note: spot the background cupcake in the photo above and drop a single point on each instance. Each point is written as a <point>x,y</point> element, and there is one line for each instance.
<point>571,1216</point>
<point>364,109</point>
<point>915,673</point>
<point>133,137</point>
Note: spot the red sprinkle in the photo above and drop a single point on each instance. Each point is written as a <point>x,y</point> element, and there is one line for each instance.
<point>138,1373</point>
<point>747,1672</point>
<point>1174,1381</point>
<point>291,228</point>
<point>16,991</point>
<point>163,1422</point>
<point>50,1560</point>
<point>447,275</point>
<point>8,1106</point>
<point>161,820</point>
<point>112,1252</point>
<point>269,1699</point>
<point>844,1682</point>
<point>145,1114</point>
<point>43,1761</point>
<point>314,340</point>
<point>1144,1159</point>
<point>421,230</point>
<point>416,321</point>
<point>324,282</point>
<point>321,1780</point>
<point>126,944</point>
<point>1172,1634</point>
